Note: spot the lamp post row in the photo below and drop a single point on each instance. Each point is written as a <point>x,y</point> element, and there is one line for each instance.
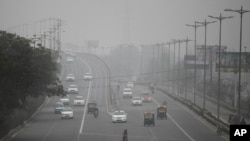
<point>204,24</point>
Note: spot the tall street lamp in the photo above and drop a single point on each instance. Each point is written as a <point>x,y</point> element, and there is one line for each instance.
<point>241,12</point>
<point>195,26</point>
<point>162,62</point>
<point>169,65</point>
<point>186,40</point>
<point>220,18</point>
<point>205,23</point>
<point>178,78</point>
<point>174,42</point>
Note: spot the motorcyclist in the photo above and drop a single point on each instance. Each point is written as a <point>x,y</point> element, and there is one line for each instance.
<point>95,113</point>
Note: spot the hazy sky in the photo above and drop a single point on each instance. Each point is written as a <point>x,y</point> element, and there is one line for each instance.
<point>114,22</point>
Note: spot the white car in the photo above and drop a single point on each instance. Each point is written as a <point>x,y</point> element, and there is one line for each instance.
<point>119,116</point>
<point>87,76</point>
<point>78,100</point>
<point>70,59</point>
<point>65,99</point>
<point>130,84</point>
<point>67,112</point>
<point>72,89</point>
<point>136,100</point>
<point>70,77</point>
<point>127,93</point>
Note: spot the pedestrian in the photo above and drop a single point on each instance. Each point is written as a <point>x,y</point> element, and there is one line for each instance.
<point>125,135</point>
<point>243,122</point>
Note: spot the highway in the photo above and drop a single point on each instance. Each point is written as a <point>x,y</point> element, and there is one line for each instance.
<point>180,125</point>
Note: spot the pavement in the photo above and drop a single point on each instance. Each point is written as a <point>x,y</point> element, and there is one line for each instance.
<point>210,104</point>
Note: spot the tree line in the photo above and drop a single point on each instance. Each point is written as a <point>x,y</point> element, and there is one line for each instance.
<point>25,72</point>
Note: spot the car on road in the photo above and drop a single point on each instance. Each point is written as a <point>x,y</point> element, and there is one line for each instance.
<point>67,112</point>
<point>65,99</point>
<point>58,107</point>
<point>72,89</point>
<point>119,116</point>
<point>70,77</point>
<point>79,100</point>
<point>127,93</point>
<point>87,76</point>
<point>136,100</point>
<point>130,84</point>
<point>146,97</point>
<point>70,59</point>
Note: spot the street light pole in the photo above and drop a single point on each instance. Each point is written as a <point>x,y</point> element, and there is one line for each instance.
<point>205,23</point>
<point>241,12</point>
<point>162,64</point>
<point>178,79</point>
<point>220,18</point>
<point>174,41</point>
<point>169,65</point>
<point>195,26</point>
<point>186,40</point>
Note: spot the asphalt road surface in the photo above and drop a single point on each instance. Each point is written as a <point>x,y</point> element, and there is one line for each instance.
<point>180,125</point>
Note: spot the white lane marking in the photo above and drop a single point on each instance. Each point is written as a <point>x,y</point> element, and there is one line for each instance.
<point>85,109</point>
<point>183,131</point>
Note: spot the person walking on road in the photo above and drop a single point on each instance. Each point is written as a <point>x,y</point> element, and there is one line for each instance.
<point>243,122</point>
<point>125,135</point>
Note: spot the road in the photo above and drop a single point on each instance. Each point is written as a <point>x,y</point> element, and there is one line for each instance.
<point>181,124</point>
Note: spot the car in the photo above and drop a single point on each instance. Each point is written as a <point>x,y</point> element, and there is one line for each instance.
<point>136,100</point>
<point>119,116</point>
<point>127,93</point>
<point>70,77</point>
<point>72,89</point>
<point>59,107</point>
<point>67,112</point>
<point>87,76</point>
<point>70,59</point>
<point>78,100</point>
<point>65,99</point>
<point>130,84</point>
<point>146,97</point>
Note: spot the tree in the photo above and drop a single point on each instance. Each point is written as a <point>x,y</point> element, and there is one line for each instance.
<point>25,71</point>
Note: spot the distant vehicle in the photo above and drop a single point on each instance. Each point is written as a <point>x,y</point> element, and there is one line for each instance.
<point>92,106</point>
<point>67,112</point>
<point>70,59</point>
<point>136,100</point>
<point>119,116</point>
<point>130,84</point>
<point>146,97</point>
<point>149,119</point>
<point>70,77</point>
<point>72,89</point>
<point>127,93</point>
<point>161,112</point>
<point>59,107</point>
<point>78,100</point>
<point>65,99</point>
<point>87,76</point>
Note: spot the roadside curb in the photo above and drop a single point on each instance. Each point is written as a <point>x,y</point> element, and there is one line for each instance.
<point>12,133</point>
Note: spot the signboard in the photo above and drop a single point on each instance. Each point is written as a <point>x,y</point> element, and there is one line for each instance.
<point>189,62</point>
<point>210,52</point>
<point>230,62</point>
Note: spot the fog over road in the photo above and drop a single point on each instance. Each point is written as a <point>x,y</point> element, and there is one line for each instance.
<point>180,125</point>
